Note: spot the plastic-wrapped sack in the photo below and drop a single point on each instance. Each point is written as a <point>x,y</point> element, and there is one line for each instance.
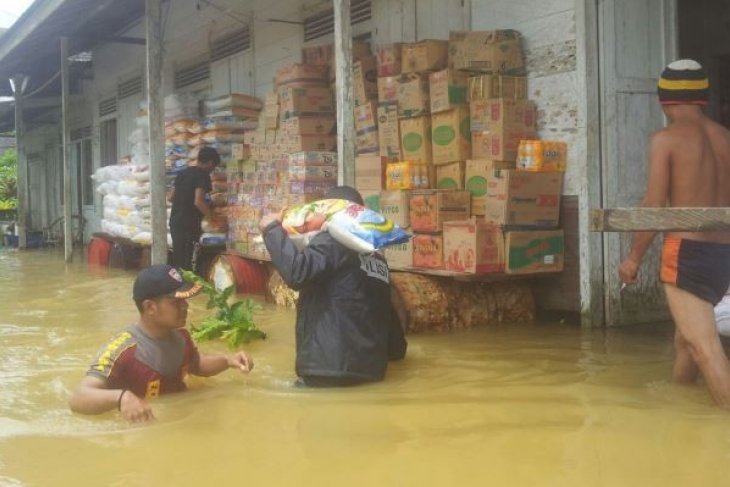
<point>354,226</point>
<point>722,316</point>
<point>233,100</point>
<point>213,136</point>
<point>227,123</point>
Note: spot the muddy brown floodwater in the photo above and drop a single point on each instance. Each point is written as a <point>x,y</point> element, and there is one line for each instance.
<point>514,405</point>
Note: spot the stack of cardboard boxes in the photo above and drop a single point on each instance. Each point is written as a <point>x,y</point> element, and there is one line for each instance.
<point>451,116</point>
<point>292,154</point>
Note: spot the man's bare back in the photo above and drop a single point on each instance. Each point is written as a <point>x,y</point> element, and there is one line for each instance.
<point>689,166</point>
<point>699,164</point>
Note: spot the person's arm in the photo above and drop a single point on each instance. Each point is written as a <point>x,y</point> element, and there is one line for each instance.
<point>171,195</point>
<point>299,267</point>
<point>201,205</point>
<point>656,196</point>
<point>210,365</point>
<point>92,397</point>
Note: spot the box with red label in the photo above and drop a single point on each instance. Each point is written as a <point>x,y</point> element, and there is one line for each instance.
<point>490,115</point>
<point>429,209</point>
<point>501,144</point>
<point>427,55</point>
<point>523,199</point>
<point>399,256</point>
<point>389,59</point>
<point>428,251</point>
<point>532,252</point>
<point>473,247</point>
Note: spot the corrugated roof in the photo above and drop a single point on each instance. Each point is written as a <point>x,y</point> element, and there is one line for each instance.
<point>32,45</point>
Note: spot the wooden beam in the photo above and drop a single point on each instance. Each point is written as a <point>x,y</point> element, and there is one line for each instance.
<point>22,177</point>
<point>660,220</point>
<point>65,134</point>
<point>155,112</point>
<point>344,94</point>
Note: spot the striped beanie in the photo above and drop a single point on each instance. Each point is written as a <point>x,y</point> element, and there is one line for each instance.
<point>684,82</point>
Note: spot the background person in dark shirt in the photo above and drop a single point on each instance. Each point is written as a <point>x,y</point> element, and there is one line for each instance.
<point>189,207</point>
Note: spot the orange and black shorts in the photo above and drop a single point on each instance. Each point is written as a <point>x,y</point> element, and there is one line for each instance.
<point>701,268</point>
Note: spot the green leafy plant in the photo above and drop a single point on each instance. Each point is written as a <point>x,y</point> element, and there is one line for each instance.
<point>233,323</point>
<point>7,205</point>
<point>8,177</point>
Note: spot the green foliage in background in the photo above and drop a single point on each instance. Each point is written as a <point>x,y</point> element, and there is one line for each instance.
<point>8,180</point>
<point>233,323</point>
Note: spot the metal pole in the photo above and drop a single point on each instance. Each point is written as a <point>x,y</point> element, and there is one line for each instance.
<point>67,196</point>
<point>22,166</point>
<point>345,99</point>
<point>153,15</point>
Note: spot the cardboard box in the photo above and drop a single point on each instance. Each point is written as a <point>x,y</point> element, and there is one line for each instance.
<point>488,86</point>
<point>429,209</point>
<point>370,172</point>
<point>451,136</point>
<point>389,133</point>
<point>305,143</point>
<point>473,247</point>
<point>317,158</point>
<point>366,116</point>
<point>297,102</point>
<point>532,252</point>
<point>524,199</point>
<point>399,256</point>
<point>389,59</point>
<point>371,198</point>
<point>388,89</point>
<point>476,175</point>
<point>489,115</point>
<point>364,81</point>
<point>500,144</point>
<point>323,125</point>
<point>428,251</point>
<point>450,176</point>
<point>427,55</point>
<point>416,139</point>
<point>301,73</point>
<point>395,205</point>
<point>366,141</point>
<point>313,173</point>
<point>413,98</point>
<point>497,51</point>
<point>447,89</point>
<point>310,187</point>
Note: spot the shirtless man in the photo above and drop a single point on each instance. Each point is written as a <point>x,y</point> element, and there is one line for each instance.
<point>689,166</point>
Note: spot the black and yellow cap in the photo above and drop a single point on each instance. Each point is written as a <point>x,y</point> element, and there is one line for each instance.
<point>684,82</point>
<point>162,280</point>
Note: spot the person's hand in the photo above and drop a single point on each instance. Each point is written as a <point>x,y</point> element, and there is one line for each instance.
<point>628,271</point>
<point>269,219</point>
<point>240,361</point>
<point>134,409</point>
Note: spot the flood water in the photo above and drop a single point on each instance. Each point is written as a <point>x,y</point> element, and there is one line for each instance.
<point>514,405</point>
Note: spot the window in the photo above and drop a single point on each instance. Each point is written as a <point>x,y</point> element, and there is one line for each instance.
<point>108,142</point>
<point>87,169</point>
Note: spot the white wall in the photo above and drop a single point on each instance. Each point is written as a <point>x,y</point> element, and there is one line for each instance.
<point>549,30</point>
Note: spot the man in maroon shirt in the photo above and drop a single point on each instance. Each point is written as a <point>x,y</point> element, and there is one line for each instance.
<point>151,357</point>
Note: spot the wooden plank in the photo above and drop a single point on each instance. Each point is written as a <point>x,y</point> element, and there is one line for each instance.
<point>344,94</point>
<point>155,112</point>
<point>660,220</point>
<point>65,134</point>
